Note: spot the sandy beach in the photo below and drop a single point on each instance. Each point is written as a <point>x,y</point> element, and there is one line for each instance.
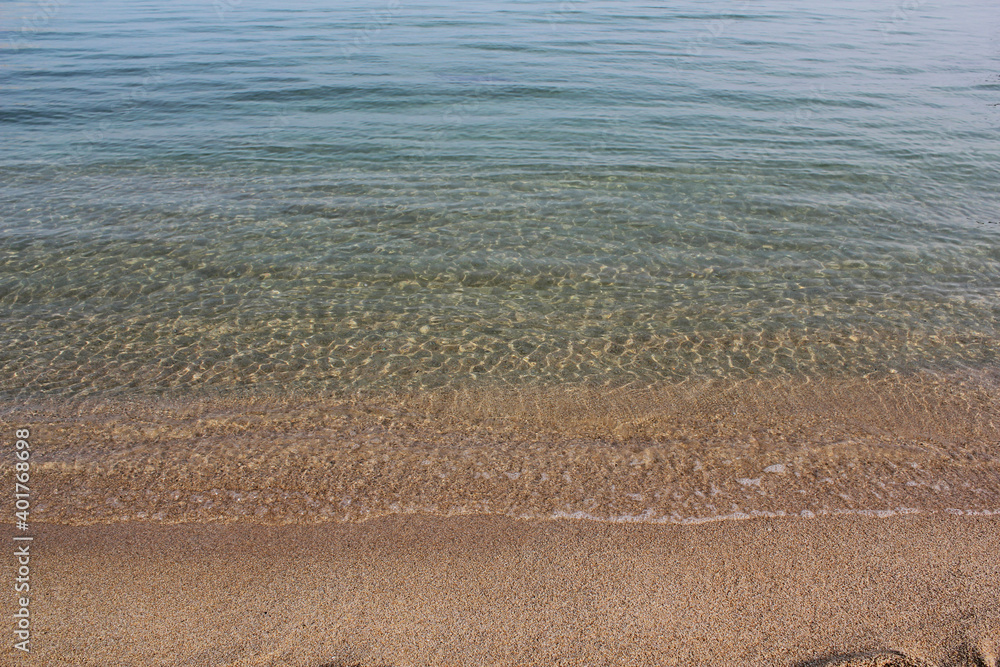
<point>420,590</point>
<point>457,334</point>
<point>773,524</point>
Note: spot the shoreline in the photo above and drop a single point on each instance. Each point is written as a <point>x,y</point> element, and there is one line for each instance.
<point>803,523</point>
<point>674,453</point>
<point>424,590</point>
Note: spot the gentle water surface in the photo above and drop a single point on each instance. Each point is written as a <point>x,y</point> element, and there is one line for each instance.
<point>334,196</point>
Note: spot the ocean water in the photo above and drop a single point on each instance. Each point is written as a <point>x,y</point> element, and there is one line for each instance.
<point>619,223</point>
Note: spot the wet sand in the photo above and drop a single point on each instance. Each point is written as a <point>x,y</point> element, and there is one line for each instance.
<point>423,590</point>
<point>778,522</point>
<point>676,453</point>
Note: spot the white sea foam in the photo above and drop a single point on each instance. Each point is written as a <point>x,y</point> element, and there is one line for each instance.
<point>650,515</point>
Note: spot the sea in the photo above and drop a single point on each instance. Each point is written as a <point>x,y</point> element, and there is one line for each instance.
<point>614,260</point>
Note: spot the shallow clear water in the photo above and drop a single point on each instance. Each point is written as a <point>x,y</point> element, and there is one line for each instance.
<point>408,195</point>
<point>611,260</point>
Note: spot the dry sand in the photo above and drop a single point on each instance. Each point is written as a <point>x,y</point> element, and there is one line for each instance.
<point>423,590</point>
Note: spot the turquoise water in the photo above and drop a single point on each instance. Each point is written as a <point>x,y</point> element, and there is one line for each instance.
<point>234,196</point>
